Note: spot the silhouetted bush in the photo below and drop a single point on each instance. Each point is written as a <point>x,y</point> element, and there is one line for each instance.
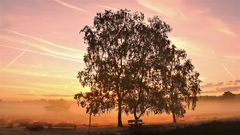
<point>35,127</point>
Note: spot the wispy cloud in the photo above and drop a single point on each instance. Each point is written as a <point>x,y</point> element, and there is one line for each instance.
<point>191,47</point>
<point>228,72</point>
<point>42,53</point>
<point>49,47</point>
<point>227,32</point>
<point>220,87</point>
<point>35,73</point>
<point>41,40</point>
<point>166,8</point>
<point>16,58</point>
<point>57,95</point>
<point>70,6</point>
<point>52,51</point>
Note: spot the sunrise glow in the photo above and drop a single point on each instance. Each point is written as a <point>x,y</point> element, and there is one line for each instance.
<point>41,49</point>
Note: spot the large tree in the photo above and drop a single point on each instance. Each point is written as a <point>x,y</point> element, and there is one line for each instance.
<point>126,59</point>
<point>109,53</point>
<point>146,92</point>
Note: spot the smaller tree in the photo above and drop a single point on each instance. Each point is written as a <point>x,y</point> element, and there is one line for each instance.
<point>95,102</point>
<point>181,83</point>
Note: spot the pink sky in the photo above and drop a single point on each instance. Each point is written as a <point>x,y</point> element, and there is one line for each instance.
<point>41,50</point>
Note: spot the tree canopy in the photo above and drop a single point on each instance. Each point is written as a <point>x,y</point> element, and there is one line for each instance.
<point>132,65</point>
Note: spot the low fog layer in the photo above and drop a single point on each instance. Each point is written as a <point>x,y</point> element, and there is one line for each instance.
<point>57,111</point>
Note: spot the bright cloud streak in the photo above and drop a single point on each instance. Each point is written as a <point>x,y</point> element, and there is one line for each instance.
<point>16,58</point>
<point>70,6</point>
<point>42,40</point>
<point>227,31</point>
<point>190,47</point>
<point>164,8</point>
<point>44,74</point>
<point>43,53</point>
<point>51,51</point>
<point>44,46</point>
<point>228,72</point>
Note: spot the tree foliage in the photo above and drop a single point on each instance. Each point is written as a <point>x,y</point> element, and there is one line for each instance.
<point>132,65</point>
<point>180,83</point>
<point>95,102</point>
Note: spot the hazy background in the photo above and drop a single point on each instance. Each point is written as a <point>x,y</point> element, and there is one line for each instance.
<point>57,111</point>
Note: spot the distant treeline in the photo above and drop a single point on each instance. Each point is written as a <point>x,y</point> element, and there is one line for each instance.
<point>225,96</point>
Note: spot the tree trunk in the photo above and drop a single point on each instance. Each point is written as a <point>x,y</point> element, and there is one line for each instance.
<point>90,120</point>
<point>174,117</point>
<point>135,114</point>
<point>120,114</point>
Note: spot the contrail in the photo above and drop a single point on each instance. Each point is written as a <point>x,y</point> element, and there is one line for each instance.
<point>229,73</point>
<point>227,31</point>
<point>42,53</point>
<point>49,50</point>
<point>16,58</point>
<point>41,44</point>
<point>70,6</point>
<point>224,67</point>
<point>41,40</point>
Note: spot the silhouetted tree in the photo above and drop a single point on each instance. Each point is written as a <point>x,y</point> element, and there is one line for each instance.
<point>146,90</point>
<point>110,53</point>
<point>134,64</point>
<point>228,95</point>
<point>180,83</point>
<point>95,102</point>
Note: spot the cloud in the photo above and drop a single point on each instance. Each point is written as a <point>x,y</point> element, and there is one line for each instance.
<point>16,58</point>
<point>41,40</point>
<point>228,72</point>
<point>57,95</point>
<point>65,4</point>
<point>227,11</point>
<point>220,87</point>
<point>227,32</point>
<point>33,73</point>
<point>221,84</point>
<point>46,95</point>
<point>230,88</point>
<point>165,7</point>
<point>46,46</point>
<point>42,53</point>
<point>237,81</point>
<point>207,85</point>
<point>232,58</point>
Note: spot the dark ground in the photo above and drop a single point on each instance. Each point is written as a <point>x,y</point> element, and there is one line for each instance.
<point>211,128</point>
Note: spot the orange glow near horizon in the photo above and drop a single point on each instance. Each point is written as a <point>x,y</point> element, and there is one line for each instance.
<point>41,50</point>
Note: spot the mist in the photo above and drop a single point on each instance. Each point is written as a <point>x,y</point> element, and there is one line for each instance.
<point>62,111</point>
